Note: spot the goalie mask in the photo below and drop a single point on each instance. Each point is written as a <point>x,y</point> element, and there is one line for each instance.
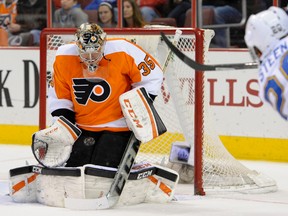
<point>264,29</point>
<point>90,39</point>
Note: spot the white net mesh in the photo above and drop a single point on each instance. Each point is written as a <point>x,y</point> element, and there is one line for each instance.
<point>221,171</point>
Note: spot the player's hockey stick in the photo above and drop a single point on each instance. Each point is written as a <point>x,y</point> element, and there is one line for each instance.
<point>202,67</point>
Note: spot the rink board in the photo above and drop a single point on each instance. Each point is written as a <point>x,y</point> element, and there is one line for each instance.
<point>246,127</point>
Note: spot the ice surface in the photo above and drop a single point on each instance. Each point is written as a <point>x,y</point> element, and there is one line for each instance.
<point>12,156</point>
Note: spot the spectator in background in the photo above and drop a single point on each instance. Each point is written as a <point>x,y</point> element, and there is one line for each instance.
<point>255,6</point>
<point>225,12</point>
<point>69,15</point>
<point>179,11</point>
<point>94,4</point>
<point>229,11</point>
<point>8,14</point>
<point>30,20</point>
<point>149,8</point>
<point>106,17</point>
<point>132,16</point>
<point>56,4</point>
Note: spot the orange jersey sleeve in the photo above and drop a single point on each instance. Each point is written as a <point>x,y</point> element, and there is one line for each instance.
<point>96,101</point>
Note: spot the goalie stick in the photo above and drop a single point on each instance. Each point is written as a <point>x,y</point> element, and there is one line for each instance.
<point>202,67</point>
<point>121,176</point>
<point>112,197</point>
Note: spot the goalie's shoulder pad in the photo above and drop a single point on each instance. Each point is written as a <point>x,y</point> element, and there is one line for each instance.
<point>140,114</point>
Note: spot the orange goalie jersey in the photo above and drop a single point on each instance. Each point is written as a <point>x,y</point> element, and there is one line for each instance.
<point>95,101</point>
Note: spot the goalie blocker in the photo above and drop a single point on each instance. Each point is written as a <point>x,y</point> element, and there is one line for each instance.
<point>78,188</point>
<point>140,115</point>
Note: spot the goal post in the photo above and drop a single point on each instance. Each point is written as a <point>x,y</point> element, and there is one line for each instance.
<point>183,106</point>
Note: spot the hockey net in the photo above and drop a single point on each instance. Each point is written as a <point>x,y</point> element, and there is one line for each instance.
<point>183,94</point>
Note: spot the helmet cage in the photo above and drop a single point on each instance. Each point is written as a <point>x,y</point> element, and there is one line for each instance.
<point>90,41</point>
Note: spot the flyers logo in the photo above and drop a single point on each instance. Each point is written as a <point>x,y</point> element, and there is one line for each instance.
<point>96,91</point>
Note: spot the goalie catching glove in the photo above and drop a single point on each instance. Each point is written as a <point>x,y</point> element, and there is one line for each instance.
<point>52,146</point>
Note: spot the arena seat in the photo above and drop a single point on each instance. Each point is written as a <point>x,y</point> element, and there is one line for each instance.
<point>164,21</point>
<point>207,17</point>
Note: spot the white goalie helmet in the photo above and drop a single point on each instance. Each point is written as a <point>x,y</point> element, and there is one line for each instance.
<point>90,39</point>
<point>264,29</point>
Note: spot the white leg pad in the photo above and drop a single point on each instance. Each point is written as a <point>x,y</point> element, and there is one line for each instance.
<point>23,188</point>
<point>148,183</point>
<point>52,190</point>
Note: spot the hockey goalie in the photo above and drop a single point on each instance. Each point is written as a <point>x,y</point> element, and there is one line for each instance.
<point>101,100</point>
<point>51,183</point>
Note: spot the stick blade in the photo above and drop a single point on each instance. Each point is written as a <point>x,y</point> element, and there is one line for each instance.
<point>203,67</point>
